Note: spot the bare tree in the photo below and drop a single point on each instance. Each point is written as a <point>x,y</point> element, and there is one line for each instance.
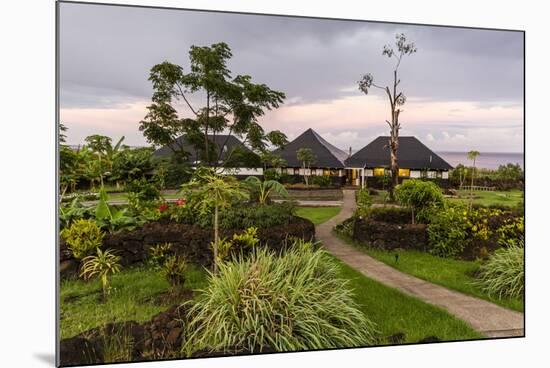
<point>396,98</point>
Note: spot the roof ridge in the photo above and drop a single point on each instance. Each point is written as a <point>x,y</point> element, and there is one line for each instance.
<point>335,151</point>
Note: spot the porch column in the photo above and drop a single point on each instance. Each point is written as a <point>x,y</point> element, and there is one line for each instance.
<point>363,178</point>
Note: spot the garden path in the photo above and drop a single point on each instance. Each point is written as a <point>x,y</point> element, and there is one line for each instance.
<point>489,319</point>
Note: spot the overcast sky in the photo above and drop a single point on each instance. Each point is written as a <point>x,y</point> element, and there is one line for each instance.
<point>464,87</point>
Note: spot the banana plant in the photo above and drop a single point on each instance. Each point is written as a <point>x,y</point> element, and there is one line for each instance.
<point>111,218</point>
<point>265,188</point>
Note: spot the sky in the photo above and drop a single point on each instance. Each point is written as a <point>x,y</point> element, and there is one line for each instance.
<point>464,87</point>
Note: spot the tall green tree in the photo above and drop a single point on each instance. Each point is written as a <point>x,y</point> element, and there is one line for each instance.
<point>212,193</point>
<point>103,147</point>
<point>307,158</point>
<point>227,104</point>
<point>395,96</point>
<point>131,164</point>
<point>472,155</point>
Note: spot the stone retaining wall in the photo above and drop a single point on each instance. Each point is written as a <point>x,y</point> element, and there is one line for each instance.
<point>190,241</point>
<point>388,236</point>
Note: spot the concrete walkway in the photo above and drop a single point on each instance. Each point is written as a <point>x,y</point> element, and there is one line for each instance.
<point>488,318</point>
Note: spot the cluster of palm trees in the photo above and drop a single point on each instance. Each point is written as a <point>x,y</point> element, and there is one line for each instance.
<point>92,162</point>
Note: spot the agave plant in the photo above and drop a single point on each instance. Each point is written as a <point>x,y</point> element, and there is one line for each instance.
<point>102,265</point>
<point>265,188</point>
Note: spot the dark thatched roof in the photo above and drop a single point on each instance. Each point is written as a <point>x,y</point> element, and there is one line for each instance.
<point>412,154</point>
<point>327,155</point>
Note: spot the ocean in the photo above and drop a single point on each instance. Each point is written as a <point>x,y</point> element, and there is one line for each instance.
<point>487,160</point>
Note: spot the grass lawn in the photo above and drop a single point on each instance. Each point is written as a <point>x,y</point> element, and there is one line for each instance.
<point>395,312</point>
<point>133,298</point>
<point>317,215</point>
<point>450,273</point>
<point>504,198</point>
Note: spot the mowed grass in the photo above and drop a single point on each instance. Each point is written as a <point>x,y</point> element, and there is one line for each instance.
<point>503,198</point>
<point>392,311</point>
<point>397,313</point>
<point>134,297</point>
<point>450,273</point>
<point>317,215</point>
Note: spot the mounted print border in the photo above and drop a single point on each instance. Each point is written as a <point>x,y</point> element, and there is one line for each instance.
<point>237,183</point>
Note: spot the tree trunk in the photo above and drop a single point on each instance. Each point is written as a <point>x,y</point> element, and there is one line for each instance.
<point>412,211</point>
<point>394,144</point>
<point>472,185</point>
<point>216,238</point>
<point>394,136</point>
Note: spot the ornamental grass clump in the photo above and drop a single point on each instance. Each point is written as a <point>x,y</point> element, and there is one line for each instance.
<point>267,302</point>
<point>503,274</point>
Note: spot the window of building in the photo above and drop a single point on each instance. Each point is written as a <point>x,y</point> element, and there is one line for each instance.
<point>405,172</point>
<point>379,171</point>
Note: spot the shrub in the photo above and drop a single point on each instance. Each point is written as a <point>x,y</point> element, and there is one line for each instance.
<point>418,195</point>
<point>159,253</point>
<point>83,237</point>
<point>223,250</point>
<point>447,231</point>
<point>257,216</point>
<point>454,229</point>
<point>291,302</point>
<point>364,202</point>
<point>101,265</point>
<point>345,228</point>
<point>247,239</point>
<point>173,269</point>
<point>288,179</point>
<point>321,181</point>
<point>503,274</point>
<point>272,174</point>
<point>511,232</point>
<point>143,189</point>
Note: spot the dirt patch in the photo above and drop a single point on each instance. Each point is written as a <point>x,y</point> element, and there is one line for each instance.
<point>171,297</point>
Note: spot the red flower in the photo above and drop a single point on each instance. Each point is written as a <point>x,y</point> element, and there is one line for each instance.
<point>181,202</point>
<point>163,207</point>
